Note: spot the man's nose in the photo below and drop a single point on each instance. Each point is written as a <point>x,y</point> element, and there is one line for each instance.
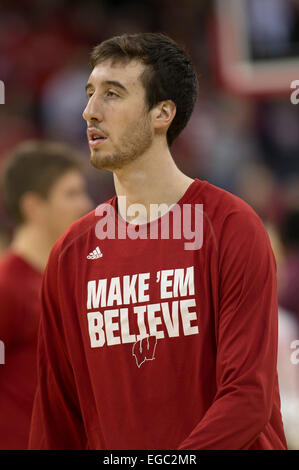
<point>92,110</point>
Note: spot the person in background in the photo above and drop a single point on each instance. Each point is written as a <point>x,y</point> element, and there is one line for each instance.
<point>44,192</point>
<point>288,291</point>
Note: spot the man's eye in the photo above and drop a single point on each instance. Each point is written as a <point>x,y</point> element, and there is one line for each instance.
<point>111,93</point>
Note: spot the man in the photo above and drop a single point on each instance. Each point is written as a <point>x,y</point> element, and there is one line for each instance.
<point>144,342</point>
<point>44,192</point>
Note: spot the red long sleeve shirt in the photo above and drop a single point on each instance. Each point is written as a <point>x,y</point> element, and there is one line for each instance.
<point>145,344</point>
<point>20,285</point>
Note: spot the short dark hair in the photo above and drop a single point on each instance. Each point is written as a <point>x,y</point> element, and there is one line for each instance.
<point>168,75</point>
<point>34,166</point>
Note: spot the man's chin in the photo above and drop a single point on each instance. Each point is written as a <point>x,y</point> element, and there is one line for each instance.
<point>105,162</point>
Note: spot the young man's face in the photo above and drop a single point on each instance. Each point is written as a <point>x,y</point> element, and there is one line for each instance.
<point>67,201</point>
<point>119,127</point>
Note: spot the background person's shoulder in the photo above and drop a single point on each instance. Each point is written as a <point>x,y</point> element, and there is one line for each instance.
<point>78,230</point>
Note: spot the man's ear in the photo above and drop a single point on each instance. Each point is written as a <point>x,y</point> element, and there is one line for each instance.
<point>163,114</point>
<point>30,206</point>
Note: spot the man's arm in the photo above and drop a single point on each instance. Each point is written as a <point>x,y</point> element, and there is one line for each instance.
<point>246,339</point>
<point>56,419</point>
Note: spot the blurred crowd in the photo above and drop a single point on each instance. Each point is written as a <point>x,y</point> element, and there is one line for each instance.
<point>248,146</point>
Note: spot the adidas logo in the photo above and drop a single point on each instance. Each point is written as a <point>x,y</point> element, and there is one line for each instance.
<point>95,254</point>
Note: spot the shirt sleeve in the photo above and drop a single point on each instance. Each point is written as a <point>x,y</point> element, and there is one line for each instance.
<point>246,338</point>
<point>56,418</point>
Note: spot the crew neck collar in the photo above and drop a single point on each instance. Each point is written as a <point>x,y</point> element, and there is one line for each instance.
<point>187,196</point>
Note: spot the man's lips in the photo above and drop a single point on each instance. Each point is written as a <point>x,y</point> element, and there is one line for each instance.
<point>95,136</point>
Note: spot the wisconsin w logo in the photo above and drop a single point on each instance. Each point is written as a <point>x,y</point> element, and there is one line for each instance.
<point>144,349</point>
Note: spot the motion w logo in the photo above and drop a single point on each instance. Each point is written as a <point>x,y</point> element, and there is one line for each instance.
<point>144,349</point>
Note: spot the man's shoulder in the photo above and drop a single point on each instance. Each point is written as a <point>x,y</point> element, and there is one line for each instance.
<point>227,215</point>
<point>216,198</point>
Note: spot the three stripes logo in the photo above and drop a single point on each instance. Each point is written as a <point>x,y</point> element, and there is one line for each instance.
<point>95,254</point>
<point>144,349</point>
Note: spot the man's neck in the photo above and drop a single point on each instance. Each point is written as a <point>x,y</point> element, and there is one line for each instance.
<point>153,178</point>
<point>33,245</point>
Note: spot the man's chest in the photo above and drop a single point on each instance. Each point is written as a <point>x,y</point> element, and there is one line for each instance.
<point>126,292</point>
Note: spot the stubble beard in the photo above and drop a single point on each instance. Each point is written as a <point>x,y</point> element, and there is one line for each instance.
<point>134,142</point>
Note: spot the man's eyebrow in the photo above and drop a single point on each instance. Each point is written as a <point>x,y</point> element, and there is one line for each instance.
<point>108,82</point>
<point>88,86</point>
<point>116,84</point>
